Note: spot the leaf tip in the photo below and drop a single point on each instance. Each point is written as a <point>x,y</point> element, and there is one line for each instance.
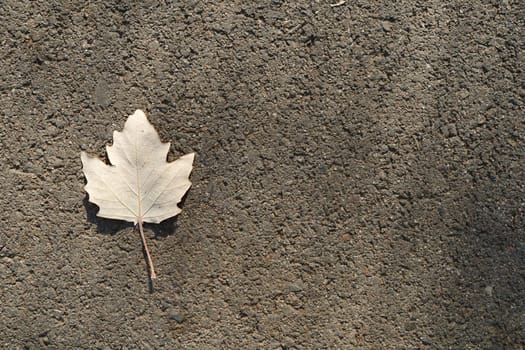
<point>139,113</point>
<point>189,156</point>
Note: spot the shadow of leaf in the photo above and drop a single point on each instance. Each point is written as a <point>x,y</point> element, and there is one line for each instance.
<point>104,226</point>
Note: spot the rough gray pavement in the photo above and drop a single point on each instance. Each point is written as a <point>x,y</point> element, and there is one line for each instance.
<point>359,180</point>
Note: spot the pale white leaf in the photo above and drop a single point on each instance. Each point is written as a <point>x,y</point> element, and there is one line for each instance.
<point>139,185</point>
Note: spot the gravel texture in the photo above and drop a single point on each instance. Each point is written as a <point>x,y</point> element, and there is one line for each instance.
<point>359,180</point>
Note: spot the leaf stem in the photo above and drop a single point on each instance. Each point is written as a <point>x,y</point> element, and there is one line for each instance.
<point>152,274</point>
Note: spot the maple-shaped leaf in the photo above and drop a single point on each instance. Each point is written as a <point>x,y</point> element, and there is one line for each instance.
<point>140,185</point>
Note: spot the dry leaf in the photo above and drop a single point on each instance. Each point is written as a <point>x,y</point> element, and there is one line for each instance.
<point>140,185</point>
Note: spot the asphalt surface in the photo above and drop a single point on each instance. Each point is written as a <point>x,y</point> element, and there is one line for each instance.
<point>358,183</point>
